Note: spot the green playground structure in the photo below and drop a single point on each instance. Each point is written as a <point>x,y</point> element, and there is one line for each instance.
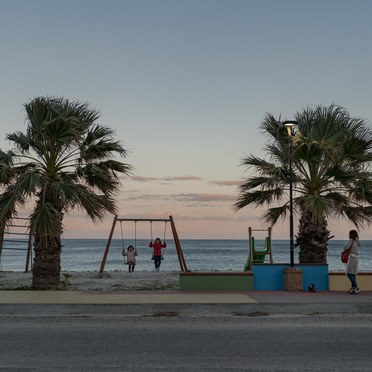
<point>258,256</point>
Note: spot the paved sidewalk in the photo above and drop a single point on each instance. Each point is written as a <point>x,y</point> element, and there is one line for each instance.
<point>150,302</point>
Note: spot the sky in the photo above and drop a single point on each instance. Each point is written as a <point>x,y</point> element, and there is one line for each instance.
<point>185,85</point>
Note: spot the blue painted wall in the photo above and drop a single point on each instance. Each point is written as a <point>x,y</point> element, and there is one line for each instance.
<point>270,277</point>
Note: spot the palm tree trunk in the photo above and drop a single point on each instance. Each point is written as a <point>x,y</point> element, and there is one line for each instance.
<point>47,246</point>
<point>313,239</point>
<point>47,263</point>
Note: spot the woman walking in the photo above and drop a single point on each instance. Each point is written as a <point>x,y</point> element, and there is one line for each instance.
<point>353,261</point>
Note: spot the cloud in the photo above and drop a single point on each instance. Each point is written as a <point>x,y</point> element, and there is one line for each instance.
<point>184,178</point>
<point>203,197</point>
<point>226,183</point>
<point>185,197</point>
<point>142,179</point>
<point>145,197</point>
<point>249,218</point>
<point>205,218</point>
<point>222,218</point>
<point>168,179</point>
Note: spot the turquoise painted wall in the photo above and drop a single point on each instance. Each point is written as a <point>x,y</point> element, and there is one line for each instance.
<point>271,276</point>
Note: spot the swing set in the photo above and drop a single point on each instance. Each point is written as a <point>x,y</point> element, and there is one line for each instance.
<point>177,243</point>
<point>17,236</point>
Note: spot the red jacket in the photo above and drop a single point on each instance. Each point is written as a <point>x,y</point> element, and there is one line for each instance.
<point>157,247</point>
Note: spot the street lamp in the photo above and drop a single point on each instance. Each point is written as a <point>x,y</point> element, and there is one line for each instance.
<point>289,125</point>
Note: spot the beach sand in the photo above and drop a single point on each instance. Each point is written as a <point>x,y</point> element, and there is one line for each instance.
<point>89,280</point>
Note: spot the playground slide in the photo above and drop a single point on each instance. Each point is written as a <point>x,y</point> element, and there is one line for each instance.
<point>258,256</point>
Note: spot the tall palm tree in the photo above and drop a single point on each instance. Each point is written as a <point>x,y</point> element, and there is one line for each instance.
<point>64,160</point>
<point>331,175</point>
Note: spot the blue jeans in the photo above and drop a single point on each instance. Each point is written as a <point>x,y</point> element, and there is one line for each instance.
<point>352,280</point>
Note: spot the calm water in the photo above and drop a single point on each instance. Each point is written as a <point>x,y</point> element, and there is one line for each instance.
<point>200,255</point>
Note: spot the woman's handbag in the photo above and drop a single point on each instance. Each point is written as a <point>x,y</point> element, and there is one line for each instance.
<point>345,255</point>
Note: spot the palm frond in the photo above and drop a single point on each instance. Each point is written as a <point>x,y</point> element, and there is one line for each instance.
<point>258,198</point>
<point>10,199</point>
<point>20,140</point>
<point>100,144</point>
<point>96,206</point>
<point>28,182</point>
<point>46,220</point>
<point>272,215</point>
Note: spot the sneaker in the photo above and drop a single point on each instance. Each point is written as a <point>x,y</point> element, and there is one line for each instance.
<point>354,291</point>
<point>350,290</point>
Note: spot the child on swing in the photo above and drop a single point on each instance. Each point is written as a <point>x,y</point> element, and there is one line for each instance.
<point>157,255</point>
<point>130,254</point>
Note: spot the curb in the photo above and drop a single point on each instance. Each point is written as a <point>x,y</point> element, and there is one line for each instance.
<point>252,309</point>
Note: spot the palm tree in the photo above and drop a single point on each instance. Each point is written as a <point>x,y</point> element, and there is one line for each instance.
<point>331,175</point>
<point>64,160</point>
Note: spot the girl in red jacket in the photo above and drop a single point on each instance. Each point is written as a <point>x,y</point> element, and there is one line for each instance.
<point>157,254</point>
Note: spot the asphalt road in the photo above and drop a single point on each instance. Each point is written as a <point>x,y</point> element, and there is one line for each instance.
<point>168,342</point>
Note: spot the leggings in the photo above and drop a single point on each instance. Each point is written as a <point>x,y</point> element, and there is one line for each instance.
<point>352,280</point>
<point>157,261</point>
<point>131,267</point>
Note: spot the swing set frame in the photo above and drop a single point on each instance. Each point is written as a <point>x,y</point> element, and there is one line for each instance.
<point>177,243</point>
<point>20,233</point>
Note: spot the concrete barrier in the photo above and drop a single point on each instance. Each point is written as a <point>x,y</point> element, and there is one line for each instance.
<point>338,281</point>
<point>216,281</point>
<point>270,277</point>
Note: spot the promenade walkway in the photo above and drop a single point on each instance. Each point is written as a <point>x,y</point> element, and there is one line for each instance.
<point>182,302</point>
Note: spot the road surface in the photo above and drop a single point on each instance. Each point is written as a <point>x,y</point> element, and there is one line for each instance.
<point>169,342</point>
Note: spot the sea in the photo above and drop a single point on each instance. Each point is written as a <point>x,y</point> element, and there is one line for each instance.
<point>200,255</point>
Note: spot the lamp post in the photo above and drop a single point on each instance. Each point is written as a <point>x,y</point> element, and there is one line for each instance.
<point>289,125</point>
